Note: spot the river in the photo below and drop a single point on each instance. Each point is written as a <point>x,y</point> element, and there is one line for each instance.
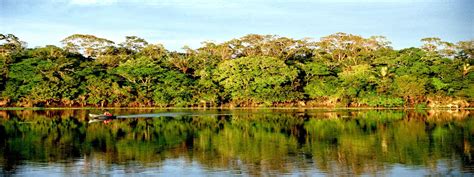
<point>190,142</point>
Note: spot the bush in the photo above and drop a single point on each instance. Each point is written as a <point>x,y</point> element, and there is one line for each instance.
<point>381,101</point>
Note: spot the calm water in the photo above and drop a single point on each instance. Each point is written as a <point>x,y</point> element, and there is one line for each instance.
<point>237,142</point>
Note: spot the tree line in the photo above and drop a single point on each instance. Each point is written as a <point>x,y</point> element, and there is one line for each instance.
<point>254,70</point>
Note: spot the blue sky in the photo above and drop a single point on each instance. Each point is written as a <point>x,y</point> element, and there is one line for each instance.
<point>176,23</point>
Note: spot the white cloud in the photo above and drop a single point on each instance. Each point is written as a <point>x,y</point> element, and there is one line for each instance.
<point>92,2</point>
<point>221,3</point>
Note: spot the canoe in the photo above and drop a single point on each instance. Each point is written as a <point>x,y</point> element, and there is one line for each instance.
<point>101,116</point>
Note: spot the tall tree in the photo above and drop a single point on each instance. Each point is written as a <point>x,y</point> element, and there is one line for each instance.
<point>347,49</point>
<point>88,45</point>
<point>9,45</point>
<point>258,79</point>
<point>134,43</point>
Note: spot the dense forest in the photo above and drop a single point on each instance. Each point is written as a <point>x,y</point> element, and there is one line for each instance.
<point>254,70</point>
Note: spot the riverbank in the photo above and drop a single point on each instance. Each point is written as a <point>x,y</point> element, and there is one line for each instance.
<point>229,108</point>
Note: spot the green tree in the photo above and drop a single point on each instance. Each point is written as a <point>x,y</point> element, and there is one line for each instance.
<point>142,73</point>
<point>134,43</point>
<point>88,45</point>
<point>410,88</point>
<point>258,79</point>
<point>357,79</point>
<point>347,49</point>
<point>9,45</point>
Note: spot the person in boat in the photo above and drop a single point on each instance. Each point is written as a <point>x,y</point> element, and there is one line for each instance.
<point>108,114</point>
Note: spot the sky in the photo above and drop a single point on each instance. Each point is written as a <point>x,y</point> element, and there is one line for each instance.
<point>176,23</point>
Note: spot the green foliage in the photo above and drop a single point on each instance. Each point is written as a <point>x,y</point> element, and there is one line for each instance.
<point>467,92</point>
<point>421,106</point>
<point>142,71</point>
<point>174,88</point>
<point>380,101</point>
<point>357,79</point>
<point>23,77</point>
<point>88,45</point>
<point>407,86</point>
<point>438,84</point>
<point>321,88</point>
<point>254,70</point>
<point>315,69</point>
<point>101,91</point>
<point>257,79</point>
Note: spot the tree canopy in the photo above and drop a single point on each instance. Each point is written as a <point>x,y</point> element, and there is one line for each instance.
<point>254,70</point>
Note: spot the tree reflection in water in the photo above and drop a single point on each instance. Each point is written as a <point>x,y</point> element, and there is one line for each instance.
<point>253,142</point>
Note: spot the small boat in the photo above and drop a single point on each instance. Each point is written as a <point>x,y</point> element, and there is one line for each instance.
<point>101,117</point>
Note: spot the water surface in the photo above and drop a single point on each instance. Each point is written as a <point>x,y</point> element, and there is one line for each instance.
<point>293,142</point>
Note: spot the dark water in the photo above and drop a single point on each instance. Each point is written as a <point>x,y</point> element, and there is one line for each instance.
<point>238,142</point>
